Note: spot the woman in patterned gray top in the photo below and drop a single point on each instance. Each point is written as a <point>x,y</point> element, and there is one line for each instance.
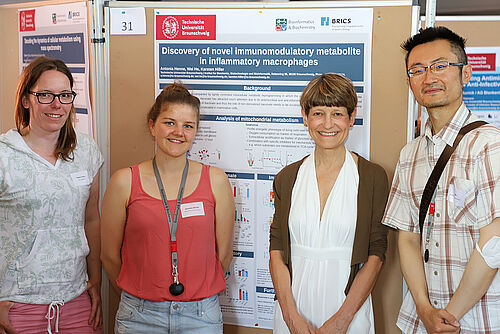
<point>50,272</point>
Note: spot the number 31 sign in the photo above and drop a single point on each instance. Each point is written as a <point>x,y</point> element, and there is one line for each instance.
<point>128,21</point>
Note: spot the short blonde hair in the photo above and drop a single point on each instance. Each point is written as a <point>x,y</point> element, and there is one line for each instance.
<point>330,90</point>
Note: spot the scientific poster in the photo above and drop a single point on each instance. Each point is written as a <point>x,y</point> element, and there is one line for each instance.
<point>482,93</point>
<point>60,31</point>
<point>249,67</point>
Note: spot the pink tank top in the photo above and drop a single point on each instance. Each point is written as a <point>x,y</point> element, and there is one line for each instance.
<point>146,270</point>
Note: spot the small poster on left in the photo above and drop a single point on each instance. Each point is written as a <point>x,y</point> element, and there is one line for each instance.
<point>60,31</point>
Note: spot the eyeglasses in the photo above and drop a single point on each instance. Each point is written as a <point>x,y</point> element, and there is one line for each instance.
<point>437,67</point>
<point>48,98</point>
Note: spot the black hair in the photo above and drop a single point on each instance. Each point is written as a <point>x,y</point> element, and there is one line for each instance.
<point>457,43</point>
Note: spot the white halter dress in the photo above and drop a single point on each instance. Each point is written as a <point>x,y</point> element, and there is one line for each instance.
<point>321,248</point>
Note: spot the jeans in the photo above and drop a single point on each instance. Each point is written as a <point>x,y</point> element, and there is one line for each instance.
<point>136,315</point>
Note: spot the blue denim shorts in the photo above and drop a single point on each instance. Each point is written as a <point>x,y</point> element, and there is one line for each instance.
<point>136,315</point>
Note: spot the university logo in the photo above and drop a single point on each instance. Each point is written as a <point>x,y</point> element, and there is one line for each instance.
<point>27,20</point>
<point>54,18</point>
<point>170,27</point>
<point>281,24</point>
<point>325,21</point>
<point>23,21</point>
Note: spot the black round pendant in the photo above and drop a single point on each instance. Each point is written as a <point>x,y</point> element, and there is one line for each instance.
<point>176,289</point>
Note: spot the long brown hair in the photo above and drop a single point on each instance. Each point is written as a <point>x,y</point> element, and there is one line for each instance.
<point>66,142</point>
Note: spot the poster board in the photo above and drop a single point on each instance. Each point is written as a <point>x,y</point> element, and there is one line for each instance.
<point>478,30</point>
<point>249,83</point>
<point>60,31</point>
<point>132,92</point>
<point>481,94</point>
<point>10,64</point>
<point>481,37</point>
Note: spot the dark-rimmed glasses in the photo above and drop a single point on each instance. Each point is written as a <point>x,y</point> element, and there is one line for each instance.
<point>48,98</point>
<point>437,67</point>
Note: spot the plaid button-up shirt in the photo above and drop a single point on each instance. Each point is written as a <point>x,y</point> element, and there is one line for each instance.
<point>467,198</point>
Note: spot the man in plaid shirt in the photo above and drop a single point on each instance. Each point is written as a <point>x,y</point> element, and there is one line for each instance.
<point>458,289</point>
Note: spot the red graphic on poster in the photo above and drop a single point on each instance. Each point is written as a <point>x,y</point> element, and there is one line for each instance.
<point>27,20</point>
<point>482,61</point>
<point>170,27</point>
<point>185,27</point>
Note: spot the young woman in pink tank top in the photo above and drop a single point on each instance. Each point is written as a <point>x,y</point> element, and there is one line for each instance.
<point>167,229</point>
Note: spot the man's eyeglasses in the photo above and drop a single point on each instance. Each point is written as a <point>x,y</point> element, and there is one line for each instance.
<point>437,67</point>
<point>48,98</point>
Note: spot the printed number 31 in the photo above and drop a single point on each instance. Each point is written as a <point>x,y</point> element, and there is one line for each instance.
<point>127,26</point>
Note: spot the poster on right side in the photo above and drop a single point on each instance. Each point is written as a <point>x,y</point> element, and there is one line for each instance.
<point>482,93</point>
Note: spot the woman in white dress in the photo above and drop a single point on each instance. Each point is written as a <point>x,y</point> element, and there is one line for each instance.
<point>327,242</point>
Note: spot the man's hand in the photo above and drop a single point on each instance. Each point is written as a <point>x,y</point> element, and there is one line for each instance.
<point>5,325</point>
<point>439,321</point>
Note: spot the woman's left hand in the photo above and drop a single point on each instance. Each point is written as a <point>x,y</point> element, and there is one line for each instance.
<point>95,318</point>
<point>337,324</point>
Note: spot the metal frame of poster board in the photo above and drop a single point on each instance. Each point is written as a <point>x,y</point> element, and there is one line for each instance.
<point>129,64</point>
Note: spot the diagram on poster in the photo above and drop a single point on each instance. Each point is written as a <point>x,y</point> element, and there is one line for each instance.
<point>249,68</point>
<point>60,31</point>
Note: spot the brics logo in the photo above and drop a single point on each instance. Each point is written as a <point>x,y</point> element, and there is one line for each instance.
<point>281,25</point>
<point>341,21</point>
<point>72,15</point>
<point>325,21</point>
